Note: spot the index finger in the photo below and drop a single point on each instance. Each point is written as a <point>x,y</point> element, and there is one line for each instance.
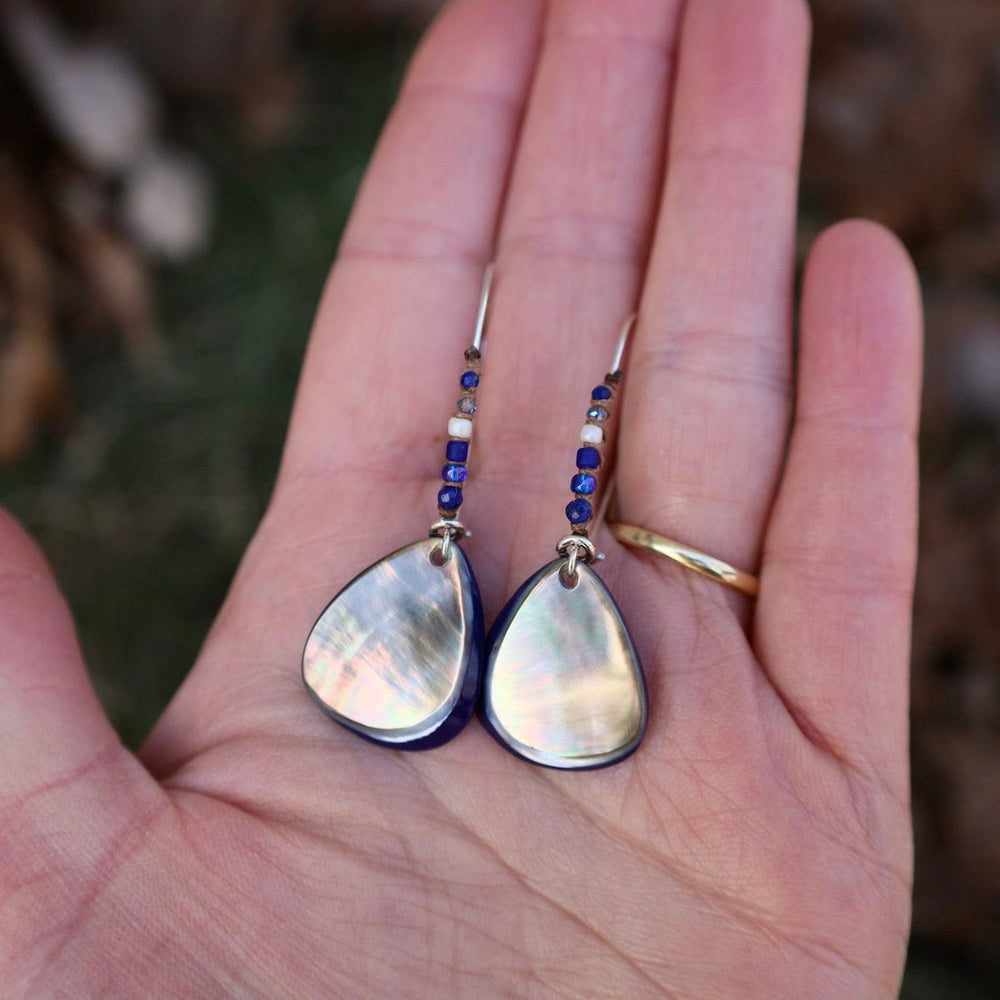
<point>399,305</point>
<point>381,371</point>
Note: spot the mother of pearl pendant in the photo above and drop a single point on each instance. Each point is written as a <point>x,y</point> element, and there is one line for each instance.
<point>563,685</point>
<point>396,656</point>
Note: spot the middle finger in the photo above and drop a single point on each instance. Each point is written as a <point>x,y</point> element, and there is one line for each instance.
<point>706,413</point>
<point>571,253</point>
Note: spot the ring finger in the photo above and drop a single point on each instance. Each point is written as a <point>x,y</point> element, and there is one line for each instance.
<point>573,245</point>
<point>706,414</point>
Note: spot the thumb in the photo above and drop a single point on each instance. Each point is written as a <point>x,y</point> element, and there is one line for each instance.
<point>51,724</point>
<point>70,794</point>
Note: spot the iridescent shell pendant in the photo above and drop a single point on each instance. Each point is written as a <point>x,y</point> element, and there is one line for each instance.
<point>563,684</point>
<point>397,655</point>
<point>564,687</point>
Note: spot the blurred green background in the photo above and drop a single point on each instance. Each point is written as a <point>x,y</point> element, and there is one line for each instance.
<point>145,508</point>
<point>147,475</point>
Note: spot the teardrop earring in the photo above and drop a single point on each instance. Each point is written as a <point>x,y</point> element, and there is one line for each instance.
<point>563,685</point>
<point>397,655</point>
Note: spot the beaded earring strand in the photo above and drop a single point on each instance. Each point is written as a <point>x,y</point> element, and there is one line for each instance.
<point>563,685</point>
<point>397,655</point>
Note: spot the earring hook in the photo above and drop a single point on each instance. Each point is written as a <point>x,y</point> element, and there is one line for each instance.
<point>484,301</point>
<point>626,330</point>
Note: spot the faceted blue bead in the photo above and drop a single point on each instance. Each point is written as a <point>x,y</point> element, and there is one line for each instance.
<point>583,482</point>
<point>457,451</point>
<point>453,473</point>
<point>579,511</point>
<point>587,458</point>
<point>597,413</point>
<point>601,392</point>
<point>469,380</point>
<point>450,498</point>
<point>466,405</point>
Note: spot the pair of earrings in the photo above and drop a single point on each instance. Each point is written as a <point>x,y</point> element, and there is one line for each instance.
<point>400,656</point>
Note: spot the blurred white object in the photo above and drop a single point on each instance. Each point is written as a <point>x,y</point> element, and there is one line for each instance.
<point>166,204</point>
<point>96,97</point>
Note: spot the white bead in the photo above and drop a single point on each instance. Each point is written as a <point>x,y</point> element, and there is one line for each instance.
<point>591,434</point>
<point>459,427</point>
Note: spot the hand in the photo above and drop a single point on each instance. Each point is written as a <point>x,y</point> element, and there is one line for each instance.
<point>758,844</point>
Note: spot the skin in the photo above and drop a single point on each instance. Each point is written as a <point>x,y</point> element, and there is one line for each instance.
<point>612,156</point>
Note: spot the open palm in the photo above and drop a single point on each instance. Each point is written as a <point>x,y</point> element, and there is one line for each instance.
<point>613,156</point>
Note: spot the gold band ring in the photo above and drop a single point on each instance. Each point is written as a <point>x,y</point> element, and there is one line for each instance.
<point>714,569</point>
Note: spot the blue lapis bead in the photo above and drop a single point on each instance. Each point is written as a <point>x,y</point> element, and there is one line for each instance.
<point>453,473</point>
<point>469,380</point>
<point>450,498</point>
<point>583,482</point>
<point>457,451</point>
<point>579,511</point>
<point>588,458</point>
<point>601,392</point>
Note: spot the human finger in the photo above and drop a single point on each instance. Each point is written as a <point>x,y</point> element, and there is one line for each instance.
<point>833,623</point>
<point>705,414</point>
<point>399,305</point>
<point>381,373</point>
<point>69,791</point>
<point>572,247</point>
